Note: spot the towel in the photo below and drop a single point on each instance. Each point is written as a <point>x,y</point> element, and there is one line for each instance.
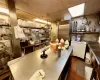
<point>38,75</point>
<point>19,34</point>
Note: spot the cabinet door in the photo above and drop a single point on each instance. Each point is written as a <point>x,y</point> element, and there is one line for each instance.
<point>78,49</point>
<point>96,68</point>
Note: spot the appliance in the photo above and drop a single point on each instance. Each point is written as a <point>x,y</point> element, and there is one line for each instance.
<point>63,31</point>
<point>78,49</point>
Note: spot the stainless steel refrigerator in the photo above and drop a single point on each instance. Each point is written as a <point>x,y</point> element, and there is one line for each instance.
<point>63,31</point>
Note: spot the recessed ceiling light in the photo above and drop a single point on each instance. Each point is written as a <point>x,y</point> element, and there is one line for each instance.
<point>77,10</point>
<point>42,21</point>
<point>3,10</point>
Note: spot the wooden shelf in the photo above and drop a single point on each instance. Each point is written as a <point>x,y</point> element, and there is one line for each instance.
<point>85,33</point>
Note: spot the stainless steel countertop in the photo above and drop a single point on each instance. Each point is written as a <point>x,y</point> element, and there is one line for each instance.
<point>24,67</point>
<point>95,49</point>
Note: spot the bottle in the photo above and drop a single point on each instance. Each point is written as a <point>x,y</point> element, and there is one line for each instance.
<point>62,41</point>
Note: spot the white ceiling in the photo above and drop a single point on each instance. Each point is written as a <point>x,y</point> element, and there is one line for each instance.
<point>51,9</point>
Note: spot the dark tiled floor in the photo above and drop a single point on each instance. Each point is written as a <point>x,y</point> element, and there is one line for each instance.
<point>72,74</point>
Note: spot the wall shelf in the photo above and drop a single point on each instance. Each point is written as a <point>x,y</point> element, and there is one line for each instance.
<point>85,33</point>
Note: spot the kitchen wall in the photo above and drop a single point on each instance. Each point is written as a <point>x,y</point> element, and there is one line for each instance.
<point>94,25</point>
<point>54,32</point>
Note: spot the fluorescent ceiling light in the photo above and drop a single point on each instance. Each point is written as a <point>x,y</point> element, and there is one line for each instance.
<point>42,21</point>
<point>77,10</point>
<point>3,10</point>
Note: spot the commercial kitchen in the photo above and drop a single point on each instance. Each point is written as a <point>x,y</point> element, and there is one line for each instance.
<point>49,40</point>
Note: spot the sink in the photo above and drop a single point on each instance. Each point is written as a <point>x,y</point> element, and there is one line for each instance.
<point>97,52</point>
<point>94,43</point>
<point>95,47</point>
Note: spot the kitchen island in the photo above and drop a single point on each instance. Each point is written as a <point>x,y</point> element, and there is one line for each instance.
<point>24,67</point>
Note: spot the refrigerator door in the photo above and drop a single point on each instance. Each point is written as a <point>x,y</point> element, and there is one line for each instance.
<point>78,49</point>
<point>63,31</point>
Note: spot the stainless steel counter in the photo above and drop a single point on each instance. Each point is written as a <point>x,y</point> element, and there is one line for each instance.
<point>23,68</point>
<point>95,49</point>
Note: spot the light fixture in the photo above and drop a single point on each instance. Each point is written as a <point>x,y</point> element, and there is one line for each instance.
<point>77,10</point>
<point>3,10</point>
<point>42,21</point>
